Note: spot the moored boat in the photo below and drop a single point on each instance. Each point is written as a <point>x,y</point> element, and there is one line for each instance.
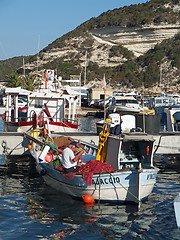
<point>125,105</point>
<point>177,209</point>
<point>125,171</point>
<point>42,108</point>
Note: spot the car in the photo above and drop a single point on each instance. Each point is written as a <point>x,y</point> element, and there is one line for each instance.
<point>21,102</point>
<point>99,103</point>
<point>92,102</point>
<point>107,102</point>
<point>84,102</point>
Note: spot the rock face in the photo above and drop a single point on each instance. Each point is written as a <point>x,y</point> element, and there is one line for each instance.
<point>139,39</point>
<point>98,44</point>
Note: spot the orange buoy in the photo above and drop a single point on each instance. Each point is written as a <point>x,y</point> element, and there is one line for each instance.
<point>87,198</point>
<point>30,146</point>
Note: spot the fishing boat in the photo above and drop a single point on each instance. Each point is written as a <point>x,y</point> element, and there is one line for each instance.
<point>42,108</point>
<point>120,169</point>
<point>177,209</point>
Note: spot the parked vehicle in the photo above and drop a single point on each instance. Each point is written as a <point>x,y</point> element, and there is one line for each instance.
<point>98,103</point>
<point>84,102</point>
<point>92,102</point>
<point>107,102</point>
<point>22,102</point>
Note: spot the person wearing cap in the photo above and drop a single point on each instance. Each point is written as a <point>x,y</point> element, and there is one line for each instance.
<point>69,160</point>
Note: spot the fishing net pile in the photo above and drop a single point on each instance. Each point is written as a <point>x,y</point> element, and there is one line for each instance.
<point>90,168</point>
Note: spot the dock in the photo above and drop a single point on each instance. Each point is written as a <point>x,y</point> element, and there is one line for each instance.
<point>88,112</point>
<point>16,143</point>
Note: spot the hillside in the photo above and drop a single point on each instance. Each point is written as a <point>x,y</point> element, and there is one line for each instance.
<point>129,44</point>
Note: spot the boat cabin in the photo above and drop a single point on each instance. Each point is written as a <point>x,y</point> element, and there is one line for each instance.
<point>51,105</point>
<point>171,119</point>
<point>129,151</point>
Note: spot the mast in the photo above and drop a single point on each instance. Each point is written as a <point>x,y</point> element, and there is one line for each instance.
<point>104,87</point>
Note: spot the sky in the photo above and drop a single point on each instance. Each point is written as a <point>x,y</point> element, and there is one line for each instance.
<point>28,26</point>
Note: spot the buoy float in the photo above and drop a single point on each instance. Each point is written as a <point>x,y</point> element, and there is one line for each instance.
<point>30,146</point>
<point>87,198</point>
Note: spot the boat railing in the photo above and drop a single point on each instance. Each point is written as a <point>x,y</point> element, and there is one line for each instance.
<point>21,118</point>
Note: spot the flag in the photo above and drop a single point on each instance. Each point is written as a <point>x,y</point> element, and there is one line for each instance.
<point>104,82</point>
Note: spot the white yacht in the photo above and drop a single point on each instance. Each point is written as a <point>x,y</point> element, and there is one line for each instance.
<point>125,105</point>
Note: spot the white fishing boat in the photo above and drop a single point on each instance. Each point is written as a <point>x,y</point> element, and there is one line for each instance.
<point>177,209</point>
<point>125,172</point>
<point>42,108</point>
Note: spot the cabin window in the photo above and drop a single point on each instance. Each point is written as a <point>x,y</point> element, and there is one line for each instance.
<point>135,153</point>
<point>38,103</point>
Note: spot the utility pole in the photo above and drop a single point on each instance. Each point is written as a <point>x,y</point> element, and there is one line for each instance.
<point>85,68</point>
<point>23,66</point>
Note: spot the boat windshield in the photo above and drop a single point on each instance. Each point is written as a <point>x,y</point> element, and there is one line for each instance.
<point>121,101</point>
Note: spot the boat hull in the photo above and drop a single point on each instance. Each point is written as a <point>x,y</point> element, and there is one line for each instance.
<point>24,126</point>
<point>177,209</point>
<point>119,186</point>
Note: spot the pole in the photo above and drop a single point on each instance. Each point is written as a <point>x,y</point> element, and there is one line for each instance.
<point>104,104</point>
<point>85,68</point>
<point>23,66</point>
<point>144,120</point>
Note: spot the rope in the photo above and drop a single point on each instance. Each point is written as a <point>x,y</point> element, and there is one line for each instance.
<point>140,202</point>
<point>99,189</point>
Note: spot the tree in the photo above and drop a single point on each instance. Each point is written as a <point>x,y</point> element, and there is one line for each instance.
<point>29,82</point>
<point>14,81</point>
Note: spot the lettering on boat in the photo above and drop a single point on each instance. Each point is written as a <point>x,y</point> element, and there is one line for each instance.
<point>105,180</point>
<point>151,176</point>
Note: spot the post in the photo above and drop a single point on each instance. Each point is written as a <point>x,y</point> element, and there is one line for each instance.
<point>16,109</point>
<point>46,79</point>
<point>104,104</point>
<point>85,68</point>
<point>104,87</point>
<point>144,119</point>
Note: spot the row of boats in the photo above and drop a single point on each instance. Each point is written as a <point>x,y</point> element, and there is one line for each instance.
<point>123,170</point>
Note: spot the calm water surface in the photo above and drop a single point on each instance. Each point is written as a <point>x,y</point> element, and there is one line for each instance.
<point>29,209</point>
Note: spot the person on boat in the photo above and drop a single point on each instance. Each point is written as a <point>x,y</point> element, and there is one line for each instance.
<point>69,160</point>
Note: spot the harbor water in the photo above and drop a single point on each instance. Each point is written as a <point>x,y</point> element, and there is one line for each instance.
<point>29,209</point>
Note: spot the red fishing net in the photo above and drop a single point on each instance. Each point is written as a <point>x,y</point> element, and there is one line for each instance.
<point>91,167</point>
<point>87,170</point>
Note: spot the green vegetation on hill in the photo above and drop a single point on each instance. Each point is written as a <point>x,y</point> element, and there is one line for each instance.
<point>135,71</point>
<point>10,66</point>
<point>153,12</point>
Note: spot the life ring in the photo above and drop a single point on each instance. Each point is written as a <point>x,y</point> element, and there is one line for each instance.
<point>41,120</point>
